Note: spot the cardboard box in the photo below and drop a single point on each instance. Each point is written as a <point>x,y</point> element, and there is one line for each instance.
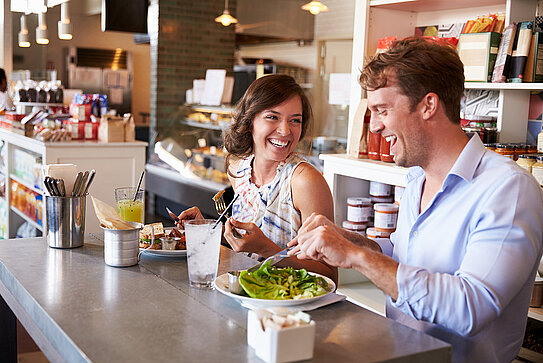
<point>478,52</point>
<point>111,129</point>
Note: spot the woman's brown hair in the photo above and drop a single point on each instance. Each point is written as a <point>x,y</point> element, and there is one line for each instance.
<point>264,93</point>
<point>420,66</point>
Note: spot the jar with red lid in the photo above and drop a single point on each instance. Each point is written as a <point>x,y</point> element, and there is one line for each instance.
<point>384,151</point>
<point>518,149</point>
<point>506,150</point>
<point>374,145</point>
<point>490,146</point>
<point>531,149</point>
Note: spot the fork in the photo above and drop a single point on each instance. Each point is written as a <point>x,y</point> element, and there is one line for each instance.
<point>274,259</point>
<point>220,206</point>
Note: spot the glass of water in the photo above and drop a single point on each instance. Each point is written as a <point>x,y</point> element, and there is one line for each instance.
<point>203,246</point>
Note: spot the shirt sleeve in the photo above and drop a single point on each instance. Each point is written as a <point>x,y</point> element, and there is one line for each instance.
<point>386,246</point>
<point>503,248</point>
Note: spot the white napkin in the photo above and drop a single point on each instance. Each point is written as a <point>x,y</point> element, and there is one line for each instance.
<point>326,300</point>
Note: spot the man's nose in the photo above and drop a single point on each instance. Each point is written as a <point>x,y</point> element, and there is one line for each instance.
<point>376,126</point>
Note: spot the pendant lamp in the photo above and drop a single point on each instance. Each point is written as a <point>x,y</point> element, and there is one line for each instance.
<point>41,30</point>
<point>64,25</point>
<point>315,7</point>
<point>24,38</point>
<point>226,19</point>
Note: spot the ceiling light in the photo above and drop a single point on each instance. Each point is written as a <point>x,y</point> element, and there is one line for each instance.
<point>64,25</point>
<point>226,19</point>
<point>315,7</point>
<point>24,39</point>
<point>41,30</point>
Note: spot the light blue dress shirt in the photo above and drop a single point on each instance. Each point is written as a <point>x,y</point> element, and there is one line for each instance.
<point>467,262</point>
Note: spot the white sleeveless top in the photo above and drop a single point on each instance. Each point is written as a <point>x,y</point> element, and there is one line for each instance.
<point>270,206</point>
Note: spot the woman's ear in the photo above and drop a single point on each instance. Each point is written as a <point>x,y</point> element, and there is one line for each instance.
<point>429,105</point>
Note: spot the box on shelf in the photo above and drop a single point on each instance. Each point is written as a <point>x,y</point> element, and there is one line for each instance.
<point>111,129</point>
<point>478,52</point>
<point>83,130</point>
<point>27,167</point>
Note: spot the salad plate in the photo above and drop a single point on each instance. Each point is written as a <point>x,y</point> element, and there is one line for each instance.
<point>166,253</point>
<point>221,284</point>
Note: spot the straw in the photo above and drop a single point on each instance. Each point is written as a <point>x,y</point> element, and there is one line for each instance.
<point>225,210</point>
<point>138,187</point>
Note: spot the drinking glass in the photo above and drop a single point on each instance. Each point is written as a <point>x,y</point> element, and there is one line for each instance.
<point>129,209</point>
<point>203,246</point>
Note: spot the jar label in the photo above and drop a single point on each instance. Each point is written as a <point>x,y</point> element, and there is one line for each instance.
<point>538,175</point>
<point>385,220</point>
<point>358,214</point>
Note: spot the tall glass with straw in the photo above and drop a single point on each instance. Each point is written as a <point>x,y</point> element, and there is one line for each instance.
<point>130,202</point>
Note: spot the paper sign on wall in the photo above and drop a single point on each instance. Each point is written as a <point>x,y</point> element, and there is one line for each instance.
<point>214,87</point>
<point>198,86</point>
<point>339,88</point>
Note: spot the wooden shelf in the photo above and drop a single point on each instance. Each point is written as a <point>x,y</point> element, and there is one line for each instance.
<point>205,125</point>
<point>432,5</point>
<point>504,86</point>
<point>22,182</point>
<point>27,218</point>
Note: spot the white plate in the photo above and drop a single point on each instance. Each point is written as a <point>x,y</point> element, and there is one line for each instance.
<point>221,283</point>
<point>166,253</point>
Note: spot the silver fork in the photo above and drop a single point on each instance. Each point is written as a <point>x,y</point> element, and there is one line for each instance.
<point>220,206</point>
<point>274,259</point>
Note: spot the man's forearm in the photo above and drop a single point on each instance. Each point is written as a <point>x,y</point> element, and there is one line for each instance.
<point>378,268</point>
<point>360,240</point>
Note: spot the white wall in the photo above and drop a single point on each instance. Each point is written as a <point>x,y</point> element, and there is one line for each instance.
<point>86,34</point>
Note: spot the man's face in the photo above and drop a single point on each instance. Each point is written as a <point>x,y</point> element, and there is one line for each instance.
<point>391,116</point>
<point>3,85</point>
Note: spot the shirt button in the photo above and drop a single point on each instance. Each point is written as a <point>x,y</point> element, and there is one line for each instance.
<point>415,233</point>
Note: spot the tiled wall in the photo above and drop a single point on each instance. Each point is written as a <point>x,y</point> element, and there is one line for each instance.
<point>187,43</point>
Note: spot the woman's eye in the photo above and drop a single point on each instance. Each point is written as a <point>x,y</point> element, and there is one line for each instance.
<point>272,117</point>
<point>297,120</point>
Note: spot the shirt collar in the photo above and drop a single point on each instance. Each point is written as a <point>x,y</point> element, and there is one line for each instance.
<point>469,159</point>
<point>464,166</point>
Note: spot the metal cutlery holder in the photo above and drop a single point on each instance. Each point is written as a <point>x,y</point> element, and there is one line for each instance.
<point>65,221</point>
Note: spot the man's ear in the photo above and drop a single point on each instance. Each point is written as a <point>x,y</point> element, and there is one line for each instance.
<point>428,105</point>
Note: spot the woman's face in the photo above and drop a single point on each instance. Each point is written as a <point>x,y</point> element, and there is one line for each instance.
<point>277,130</point>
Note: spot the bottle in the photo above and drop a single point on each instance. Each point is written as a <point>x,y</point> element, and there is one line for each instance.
<point>540,141</point>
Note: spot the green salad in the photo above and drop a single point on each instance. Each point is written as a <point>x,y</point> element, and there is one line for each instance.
<point>269,282</point>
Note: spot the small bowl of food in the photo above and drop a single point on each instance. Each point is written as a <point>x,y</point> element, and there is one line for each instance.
<point>233,282</point>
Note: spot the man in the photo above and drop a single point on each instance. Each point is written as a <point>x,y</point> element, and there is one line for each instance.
<point>5,100</point>
<point>469,234</point>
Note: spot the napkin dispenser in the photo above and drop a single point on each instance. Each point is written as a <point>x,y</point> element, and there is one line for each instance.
<point>274,344</point>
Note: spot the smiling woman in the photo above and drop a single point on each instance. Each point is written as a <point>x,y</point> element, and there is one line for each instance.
<point>277,188</point>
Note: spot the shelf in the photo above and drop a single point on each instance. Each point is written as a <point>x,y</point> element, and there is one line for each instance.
<point>205,125</point>
<point>20,181</point>
<point>38,104</point>
<point>432,5</point>
<point>213,109</point>
<point>342,164</point>
<point>504,86</point>
<point>187,178</point>
<point>26,218</point>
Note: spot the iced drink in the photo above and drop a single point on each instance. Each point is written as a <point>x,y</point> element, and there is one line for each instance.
<point>129,209</point>
<point>203,246</point>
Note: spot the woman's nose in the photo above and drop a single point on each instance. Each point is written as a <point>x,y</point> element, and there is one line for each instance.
<point>283,128</point>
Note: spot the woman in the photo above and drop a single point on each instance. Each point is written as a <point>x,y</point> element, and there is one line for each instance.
<point>278,190</point>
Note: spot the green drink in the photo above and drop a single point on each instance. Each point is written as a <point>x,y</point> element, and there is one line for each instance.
<point>130,211</point>
<point>130,204</point>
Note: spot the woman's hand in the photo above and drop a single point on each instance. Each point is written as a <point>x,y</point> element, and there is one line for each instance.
<point>187,215</point>
<point>253,240</point>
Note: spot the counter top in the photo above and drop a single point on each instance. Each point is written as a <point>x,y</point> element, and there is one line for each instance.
<point>78,309</point>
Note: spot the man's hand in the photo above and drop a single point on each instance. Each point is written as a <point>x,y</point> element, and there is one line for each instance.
<point>187,215</point>
<point>252,241</point>
<point>324,243</point>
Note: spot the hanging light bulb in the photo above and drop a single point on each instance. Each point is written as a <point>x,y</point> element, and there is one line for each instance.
<point>315,7</point>
<point>24,39</point>
<point>41,30</point>
<point>225,18</point>
<point>64,25</point>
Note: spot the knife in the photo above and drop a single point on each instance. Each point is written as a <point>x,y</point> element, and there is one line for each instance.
<point>173,215</point>
<point>89,181</point>
<point>47,185</point>
<point>76,184</point>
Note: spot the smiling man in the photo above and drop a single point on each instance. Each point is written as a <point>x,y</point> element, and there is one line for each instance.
<point>462,261</point>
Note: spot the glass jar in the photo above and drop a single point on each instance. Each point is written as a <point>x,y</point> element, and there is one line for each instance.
<point>354,227</point>
<point>531,149</point>
<point>384,151</point>
<point>518,149</point>
<point>374,145</point>
<point>372,233</point>
<point>526,161</point>
<point>506,150</point>
<point>537,169</point>
<point>386,216</point>
<point>491,146</point>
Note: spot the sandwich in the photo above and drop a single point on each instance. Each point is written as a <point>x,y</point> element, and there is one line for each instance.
<point>147,233</point>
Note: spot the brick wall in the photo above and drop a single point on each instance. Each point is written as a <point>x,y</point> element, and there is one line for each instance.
<point>187,42</point>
